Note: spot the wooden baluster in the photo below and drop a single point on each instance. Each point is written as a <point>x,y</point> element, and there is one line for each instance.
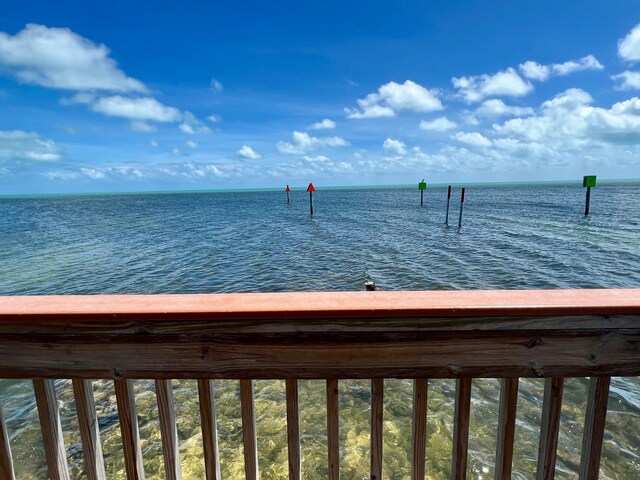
<point>249,430</point>
<point>594,427</point>
<point>419,435</point>
<point>506,427</point>
<point>129,429</point>
<point>51,428</point>
<point>293,430</point>
<point>377,416</point>
<point>89,430</point>
<point>6,463</point>
<point>461,429</point>
<point>209,430</point>
<point>168,430</point>
<point>550,428</point>
<point>333,430</point>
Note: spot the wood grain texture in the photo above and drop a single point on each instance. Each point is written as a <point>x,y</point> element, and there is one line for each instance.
<point>209,430</point>
<point>89,430</point>
<point>333,430</point>
<point>249,435</point>
<point>377,418</point>
<point>550,428</point>
<point>6,463</point>
<point>419,429</point>
<point>380,354</point>
<point>506,427</point>
<point>594,428</point>
<point>51,429</point>
<point>461,429</point>
<point>293,430</point>
<point>168,430</point>
<point>379,304</point>
<point>129,431</point>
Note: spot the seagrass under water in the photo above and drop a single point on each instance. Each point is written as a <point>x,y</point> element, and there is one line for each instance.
<point>512,237</point>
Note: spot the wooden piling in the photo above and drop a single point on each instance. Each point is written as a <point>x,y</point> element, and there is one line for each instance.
<point>446,218</point>
<point>461,207</point>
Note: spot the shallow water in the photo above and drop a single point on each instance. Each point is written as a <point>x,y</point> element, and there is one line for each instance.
<point>513,237</point>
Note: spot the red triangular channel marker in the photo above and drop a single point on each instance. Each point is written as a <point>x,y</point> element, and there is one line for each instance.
<point>288,189</point>
<point>311,188</point>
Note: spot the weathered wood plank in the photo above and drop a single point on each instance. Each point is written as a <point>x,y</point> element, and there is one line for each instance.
<point>89,430</point>
<point>373,355</point>
<point>594,428</point>
<point>209,430</point>
<point>377,417</point>
<point>129,431</point>
<point>381,304</point>
<point>168,430</point>
<point>419,429</point>
<point>51,429</point>
<point>293,430</point>
<point>6,463</point>
<point>461,429</point>
<point>333,438</point>
<point>506,427</point>
<point>550,428</point>
<point>249,436</point>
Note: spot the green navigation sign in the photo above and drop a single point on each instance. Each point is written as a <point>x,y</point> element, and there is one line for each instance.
<point>422,185</point>
<point>589,181</point>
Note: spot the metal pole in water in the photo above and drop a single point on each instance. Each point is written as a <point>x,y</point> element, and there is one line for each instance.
<point>311,189</point>
<point>588,201</point>
<point>421,198</point>
<point>422,186</point>
<point>288,190</point>
<point>446,218</point>
<point>588,181</point>
<point>461,206</point>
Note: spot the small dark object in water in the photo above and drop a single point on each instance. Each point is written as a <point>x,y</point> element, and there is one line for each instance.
<point>370,286</point>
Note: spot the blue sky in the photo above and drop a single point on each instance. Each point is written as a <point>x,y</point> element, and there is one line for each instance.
<point>134,96</point>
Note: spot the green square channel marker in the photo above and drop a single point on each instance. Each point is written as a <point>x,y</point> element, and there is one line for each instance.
<point>589,181</point>
<point>422,185</point>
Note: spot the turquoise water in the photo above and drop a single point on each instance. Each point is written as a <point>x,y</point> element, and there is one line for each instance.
<point>513,237</point>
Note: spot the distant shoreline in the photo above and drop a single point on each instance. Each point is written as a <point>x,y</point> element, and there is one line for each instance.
<point>302,188</point>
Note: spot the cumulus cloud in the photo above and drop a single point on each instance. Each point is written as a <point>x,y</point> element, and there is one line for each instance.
<point>216,85</point>
<point>627,80</point>
<point>60,58</point>
<point>441,124</point>
<point>29,146</point>
<point>505,83</point>
<point>191,125</point>
<point>322,125</point>
<point>214,118</point>
<point>395,146</point>
<point>191,144</point>
<point>248,153</point>
<point>303,143</point>
<point>495,108</point>
<point>142,109</point>
<point>154,144</point>
<point>535,71</point>
<point>140,126</point>
<point>473,138</point>
<point>629,46</point>
<point>393,97</point>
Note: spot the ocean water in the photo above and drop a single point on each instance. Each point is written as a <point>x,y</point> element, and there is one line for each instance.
<point>512,237</point>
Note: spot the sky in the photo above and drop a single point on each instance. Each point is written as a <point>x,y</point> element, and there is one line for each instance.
<point>155,96</point>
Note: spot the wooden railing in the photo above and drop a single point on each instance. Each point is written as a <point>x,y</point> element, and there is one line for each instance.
<point>331,336</point>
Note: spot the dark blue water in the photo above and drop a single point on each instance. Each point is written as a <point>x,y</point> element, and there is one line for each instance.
<point>513,237</point>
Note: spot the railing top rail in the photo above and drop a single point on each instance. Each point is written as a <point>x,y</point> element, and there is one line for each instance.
<point>318,305</point>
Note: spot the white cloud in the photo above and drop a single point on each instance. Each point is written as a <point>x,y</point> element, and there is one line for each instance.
<point>191,125</point>
<point>60,58</point>
<point>214,118</point>
<point>494,108</point>
<point>629,46</point>
<point>154,144</point>
<point>79,98</point>
<point>393,97</point>
<point>628,80</point>
<point>191,144</point>
<point>21,145</point>
<point>395,146</point>
<point>93,173</point>
<point>142,109</point>
<point>303,143</point>
<point>140,126</point>
<point>216,85</point>
<point>507,83</point>
<point>324,124</point>
<point>473,138</point>
<point>535,71</point>
<point>248,153</point>
<point>441,124</point>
